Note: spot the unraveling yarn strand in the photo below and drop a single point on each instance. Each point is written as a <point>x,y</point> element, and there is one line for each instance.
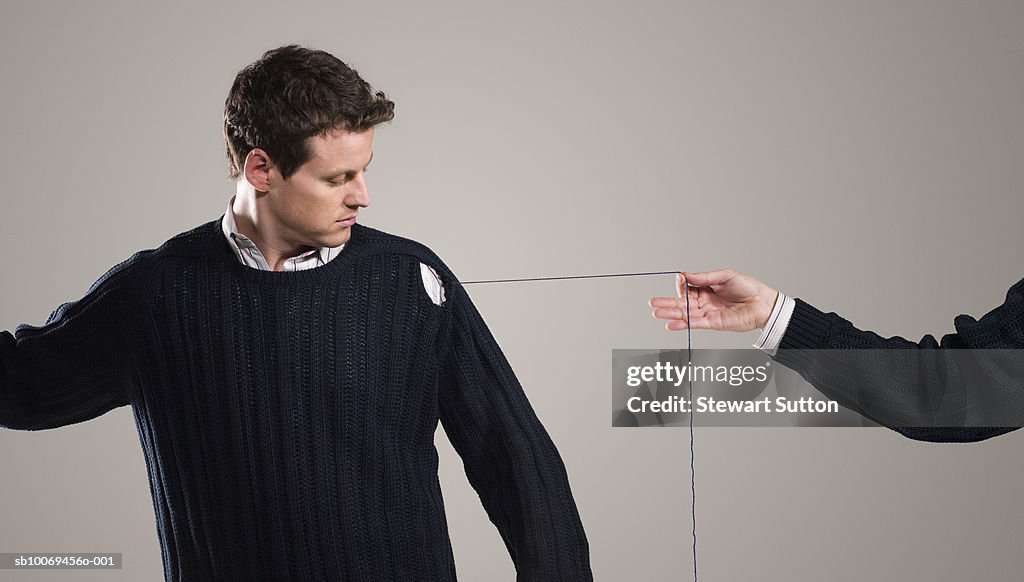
<point>689,356</point>
<point>559,278</point>
<point>693,483</point>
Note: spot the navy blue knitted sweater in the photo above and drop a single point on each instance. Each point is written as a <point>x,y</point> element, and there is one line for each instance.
<point>288,418</point>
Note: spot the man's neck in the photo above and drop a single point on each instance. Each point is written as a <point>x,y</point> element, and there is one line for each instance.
<point>245,211</point>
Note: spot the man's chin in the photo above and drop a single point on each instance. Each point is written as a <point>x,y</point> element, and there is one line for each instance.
<point>337,238</point>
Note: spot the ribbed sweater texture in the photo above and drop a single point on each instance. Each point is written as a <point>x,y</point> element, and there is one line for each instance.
<point>287,418</point>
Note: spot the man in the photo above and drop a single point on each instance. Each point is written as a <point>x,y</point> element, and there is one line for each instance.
<point>917,380</point>
<point>287,367</point>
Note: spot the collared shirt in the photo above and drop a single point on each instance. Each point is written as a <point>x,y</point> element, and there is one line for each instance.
<point>778,321</point>
<point>250,255</point>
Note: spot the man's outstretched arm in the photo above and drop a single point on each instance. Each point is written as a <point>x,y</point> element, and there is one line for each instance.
<point>76,366</point>
<point>509,458</point>
<point>920,378</point>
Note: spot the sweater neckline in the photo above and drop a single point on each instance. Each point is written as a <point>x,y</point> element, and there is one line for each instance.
<point>320,274</point>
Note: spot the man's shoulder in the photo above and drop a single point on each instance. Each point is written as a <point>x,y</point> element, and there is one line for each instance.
<point>377,241</point>
<point>193,242</point>
<point>196,241</point>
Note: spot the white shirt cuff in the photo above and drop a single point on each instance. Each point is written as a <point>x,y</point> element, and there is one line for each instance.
<point>778,321</point>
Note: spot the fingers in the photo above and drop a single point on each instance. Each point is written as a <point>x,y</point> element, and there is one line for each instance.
<point>663,302</point>
<point>674,309</point>
<point>675,313</point>
<point>669,313</point>
<point>669,305</point>
<point>696,322</point>
<point>676,325</point>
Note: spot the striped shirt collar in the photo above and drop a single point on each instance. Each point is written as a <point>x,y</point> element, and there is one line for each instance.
<point>249,254</point>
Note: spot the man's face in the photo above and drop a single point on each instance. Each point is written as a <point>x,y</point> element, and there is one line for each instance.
<point>318,203</point>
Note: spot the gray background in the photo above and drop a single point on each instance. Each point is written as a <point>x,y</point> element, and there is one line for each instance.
<point>865,156</point>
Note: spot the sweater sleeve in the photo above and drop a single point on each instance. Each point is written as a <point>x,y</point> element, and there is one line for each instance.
<point>508,456</point>
<point>77,365</point>
<point>893,380</point>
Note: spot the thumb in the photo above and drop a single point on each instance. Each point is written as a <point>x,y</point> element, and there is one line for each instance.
<point>708,278</point>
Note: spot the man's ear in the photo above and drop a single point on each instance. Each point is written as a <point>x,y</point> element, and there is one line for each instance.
<point>257,169</point>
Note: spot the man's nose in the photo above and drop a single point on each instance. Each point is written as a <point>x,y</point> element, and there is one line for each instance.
<point>359,195</point>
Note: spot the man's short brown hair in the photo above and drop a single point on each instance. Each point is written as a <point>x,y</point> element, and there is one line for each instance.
<point>290,94</point>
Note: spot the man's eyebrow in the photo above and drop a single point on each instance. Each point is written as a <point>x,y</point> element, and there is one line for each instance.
<point>343,172</point>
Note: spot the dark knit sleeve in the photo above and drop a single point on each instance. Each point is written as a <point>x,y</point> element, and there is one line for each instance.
<point>508,456</point>
<point>76,366</point>
<point>893,380</point>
